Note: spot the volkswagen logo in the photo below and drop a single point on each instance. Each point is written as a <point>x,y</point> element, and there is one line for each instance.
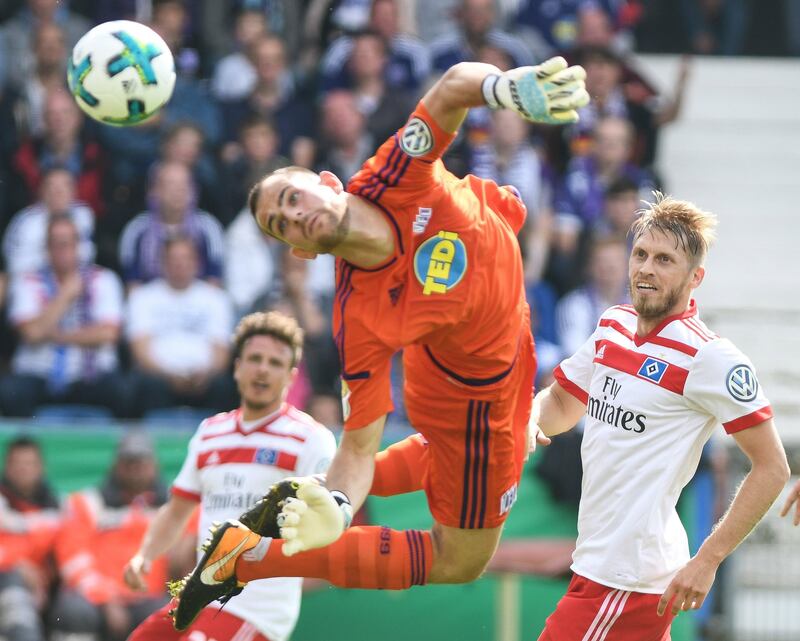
<point>742,383</point>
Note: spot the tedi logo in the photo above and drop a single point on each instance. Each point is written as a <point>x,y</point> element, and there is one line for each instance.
<point>606,411</point>
<point>440,263</point>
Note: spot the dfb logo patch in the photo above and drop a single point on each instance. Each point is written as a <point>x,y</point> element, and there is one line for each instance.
<point>416,138</point>
<point>742,383</point>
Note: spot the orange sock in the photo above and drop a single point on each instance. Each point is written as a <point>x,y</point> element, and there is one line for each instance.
<point>400,468</point>
<point>370,557</point>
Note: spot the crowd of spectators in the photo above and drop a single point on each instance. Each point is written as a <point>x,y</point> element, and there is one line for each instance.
<point>128,253</point>
<point>61,558</point>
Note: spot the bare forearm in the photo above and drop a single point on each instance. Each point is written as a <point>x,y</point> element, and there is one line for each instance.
<point>555,412</point>
<point>455,92</point>
<point>353,466</point>
<point>91,336</point>
<point>41,328</point>
<point>166,528</point>
<point>754,497</point>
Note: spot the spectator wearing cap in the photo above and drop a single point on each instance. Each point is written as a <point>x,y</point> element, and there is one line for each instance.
<point>30,518</point>
<point>406,63</point>
<point>477,26</point>
<point>100,532</point>
<point>178,328</point>
<point>68,316</point>
<point>172,211</point>
<point>24,243</point>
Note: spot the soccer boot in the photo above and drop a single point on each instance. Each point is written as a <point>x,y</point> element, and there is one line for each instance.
<point>262,518</point>
<point>214,576</point>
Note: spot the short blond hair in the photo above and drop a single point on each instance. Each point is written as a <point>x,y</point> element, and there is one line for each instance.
<point>693,228</point>
<point>280,326</point>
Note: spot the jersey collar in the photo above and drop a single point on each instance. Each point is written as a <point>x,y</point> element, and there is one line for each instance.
<point>688,313</point>
<point>263,423</point>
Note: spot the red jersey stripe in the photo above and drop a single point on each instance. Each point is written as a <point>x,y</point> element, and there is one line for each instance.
<point>184,494</point>
<point>748,420</point>
<point>263,455</point>
<point>692,328</point>
<point>673,344</point>
<point>569,386</point>
<point>615,324</point>
<point>700,326</point>
<point>673,378</point>
<point>655,340</point>
<point>626,308</point>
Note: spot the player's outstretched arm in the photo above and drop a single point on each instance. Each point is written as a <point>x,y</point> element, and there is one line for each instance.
<point>762,485</point>
<point>555,411</point>
<point>164,531</point>
<point>548,93</point>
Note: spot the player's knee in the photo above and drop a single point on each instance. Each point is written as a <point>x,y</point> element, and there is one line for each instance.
<point>456,564</point>
<point>458,570</point>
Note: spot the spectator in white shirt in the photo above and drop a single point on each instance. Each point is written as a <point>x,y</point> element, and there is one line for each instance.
<point>68,317</point>
<point>577,313</point>
<point>179,329</point>
<point>24,243</point>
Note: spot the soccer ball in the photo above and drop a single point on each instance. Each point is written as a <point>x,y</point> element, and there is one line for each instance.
<point>121,72</point>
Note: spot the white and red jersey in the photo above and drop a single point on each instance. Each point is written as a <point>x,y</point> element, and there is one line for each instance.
<point>652,403</point>
<point>231,465</point>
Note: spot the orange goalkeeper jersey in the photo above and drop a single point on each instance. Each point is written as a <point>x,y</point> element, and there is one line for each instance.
<point>454,284</point>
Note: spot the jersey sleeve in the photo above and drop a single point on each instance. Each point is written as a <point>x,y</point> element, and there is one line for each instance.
<point>317,454</point>
<point>187,484</point>
<point>723,383</point>
<point>407,164</point>
<point>507,202</point>
<point>366,382</point>
<point>574,374</point>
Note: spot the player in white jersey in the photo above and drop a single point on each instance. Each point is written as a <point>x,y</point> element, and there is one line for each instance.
<point>653,383</point>
<point>231,459</point>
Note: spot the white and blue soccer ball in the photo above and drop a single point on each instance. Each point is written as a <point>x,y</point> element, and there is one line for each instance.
<point>121,73</point>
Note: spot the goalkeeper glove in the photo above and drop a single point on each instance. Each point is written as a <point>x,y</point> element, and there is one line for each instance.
<point>548,93</point>
<point>316,518</point>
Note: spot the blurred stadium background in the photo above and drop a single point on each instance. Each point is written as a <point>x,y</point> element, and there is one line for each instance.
<point>319,83</point>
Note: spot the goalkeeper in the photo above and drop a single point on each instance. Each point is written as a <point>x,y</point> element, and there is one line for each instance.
<point>430,264</point>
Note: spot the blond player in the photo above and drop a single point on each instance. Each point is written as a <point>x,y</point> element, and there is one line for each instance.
<point>653,382</point>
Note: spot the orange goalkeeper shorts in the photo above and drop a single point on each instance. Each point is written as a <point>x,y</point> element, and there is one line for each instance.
<point>477,435</point>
